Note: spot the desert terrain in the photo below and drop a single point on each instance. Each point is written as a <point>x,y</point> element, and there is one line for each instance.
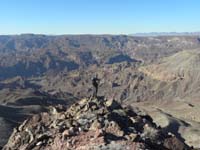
<point>159,75</point>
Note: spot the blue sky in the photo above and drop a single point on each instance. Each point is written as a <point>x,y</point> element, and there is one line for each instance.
<point>98,16</point>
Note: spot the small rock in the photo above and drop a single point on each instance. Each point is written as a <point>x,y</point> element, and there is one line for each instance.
<point>86,108</point>
<point>94,107</point>
<point>83,101</point>
<point>133,120</point>
<point>30,134</point>
<point>54,111</point>
<point>72,130</point>
<point>114,129</point>
<point>99,133</point>
<point>112,104</point>
<point>170,134</point>
<point>120,133</point>
<point>95,125</point>
<point>61,116</point>
<point>20,128</point>
<point>65,134</point>
<point>80,129</point>
<point>132,136</point>
<point>39,143</point>
<point>75,123</point>
<point>82,121</point>
<point>68,133</point>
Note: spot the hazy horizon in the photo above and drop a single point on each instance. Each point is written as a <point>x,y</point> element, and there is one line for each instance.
<point>137,33</point>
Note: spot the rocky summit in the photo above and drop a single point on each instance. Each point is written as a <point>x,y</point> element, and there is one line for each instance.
<point>92,124</point>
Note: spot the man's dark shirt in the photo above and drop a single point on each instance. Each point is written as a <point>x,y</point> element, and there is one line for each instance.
<point>95,83</point>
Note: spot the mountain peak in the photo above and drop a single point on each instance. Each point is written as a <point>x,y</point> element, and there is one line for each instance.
<point>92,123</point>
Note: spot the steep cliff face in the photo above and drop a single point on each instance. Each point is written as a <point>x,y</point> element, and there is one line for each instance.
<point>92,123</point>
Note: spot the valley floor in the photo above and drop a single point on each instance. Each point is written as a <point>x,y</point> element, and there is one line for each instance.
<point>179,117</point>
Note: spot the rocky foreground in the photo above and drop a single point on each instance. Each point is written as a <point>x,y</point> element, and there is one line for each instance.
<point>92,124</point>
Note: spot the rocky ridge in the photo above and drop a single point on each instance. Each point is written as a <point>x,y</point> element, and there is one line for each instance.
<point>92,123</point>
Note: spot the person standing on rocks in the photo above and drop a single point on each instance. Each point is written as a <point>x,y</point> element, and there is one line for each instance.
<point>95,83</point>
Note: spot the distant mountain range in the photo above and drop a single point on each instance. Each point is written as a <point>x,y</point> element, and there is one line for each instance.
<point>167,34</point>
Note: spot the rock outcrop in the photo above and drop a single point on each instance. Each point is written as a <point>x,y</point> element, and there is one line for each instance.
<point>92,124</point>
